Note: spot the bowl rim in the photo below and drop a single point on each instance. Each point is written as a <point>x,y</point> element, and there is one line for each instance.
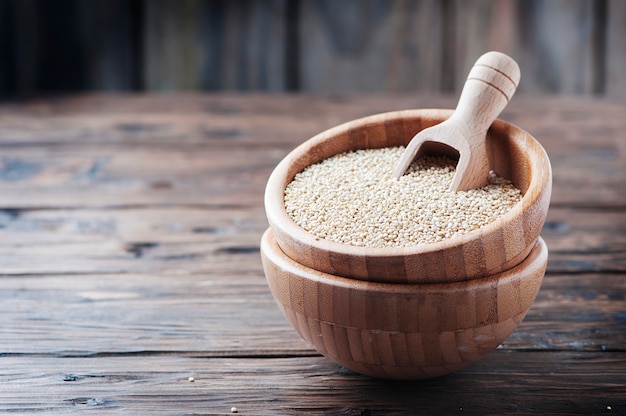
<point>280,220</point>
<point>537,258</point>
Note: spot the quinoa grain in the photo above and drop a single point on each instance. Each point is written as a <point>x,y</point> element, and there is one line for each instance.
<point>351,198</point>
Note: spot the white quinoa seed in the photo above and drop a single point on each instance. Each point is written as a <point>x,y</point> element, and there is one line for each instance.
<point>351,198</point>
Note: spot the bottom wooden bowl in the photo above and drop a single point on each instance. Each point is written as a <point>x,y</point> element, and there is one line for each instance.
<point>402,331</point>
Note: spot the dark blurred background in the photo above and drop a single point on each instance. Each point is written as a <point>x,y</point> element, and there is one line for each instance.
<point>52,46</point>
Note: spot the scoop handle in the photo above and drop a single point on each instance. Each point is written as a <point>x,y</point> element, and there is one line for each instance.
<point>491,83</point>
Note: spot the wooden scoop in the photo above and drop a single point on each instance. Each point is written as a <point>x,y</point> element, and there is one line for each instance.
<point>490,85</point>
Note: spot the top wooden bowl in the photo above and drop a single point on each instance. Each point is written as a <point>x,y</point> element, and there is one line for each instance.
<point>513,154</point>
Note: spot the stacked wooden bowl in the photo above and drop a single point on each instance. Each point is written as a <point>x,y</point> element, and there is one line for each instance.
<point>410,312</point>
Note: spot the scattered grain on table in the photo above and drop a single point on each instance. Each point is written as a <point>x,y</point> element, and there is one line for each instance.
<point>351,198</point>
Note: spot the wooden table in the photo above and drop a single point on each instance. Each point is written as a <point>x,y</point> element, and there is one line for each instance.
<point>131,279</point>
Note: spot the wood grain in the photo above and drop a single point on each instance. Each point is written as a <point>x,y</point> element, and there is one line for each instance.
<point>192,45</point>
<point>614,85</point>
<point>402,331</point>
<point>121,279</point>
<point>425,46</point>
<point>311,385</point>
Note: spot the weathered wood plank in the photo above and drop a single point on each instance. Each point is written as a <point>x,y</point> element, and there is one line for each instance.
<point>166,176</point>
<point>108,33</point>
<point>503,382</point>
<point>563,47</point>
<point>557,51</point>
<point>214,45</point>
<point>173,54</point>
<point>215,313</point>
<point>226,118</point>
<point>426,46</point>
<point>230,311</point>
<point>129,261</point>
<point>69,46</point>
<point>186,142</point>
<point>615,84</point>
<point>569,231</point>
<point>479,26</point>
<point>575,313</point>
<point>197,239</point>
<point>370,46</point>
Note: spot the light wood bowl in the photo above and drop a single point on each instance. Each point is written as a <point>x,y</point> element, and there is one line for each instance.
<point>498,246</point>
<point>402,331</point>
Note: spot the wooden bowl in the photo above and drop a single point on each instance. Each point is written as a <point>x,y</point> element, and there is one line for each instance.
<point>402,331</point>
<point>500,245</point>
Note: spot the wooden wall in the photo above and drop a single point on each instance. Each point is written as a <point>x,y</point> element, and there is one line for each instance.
<point>563,46</point>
